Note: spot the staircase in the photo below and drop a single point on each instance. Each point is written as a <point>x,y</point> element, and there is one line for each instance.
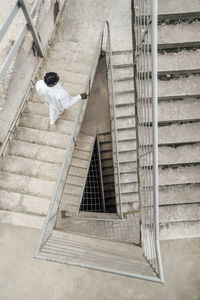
<point>126,133</point>
<point>77,175</point>
<point>179,118</point>
<point>99,254</point>
<point>107,171</point>
<point>31,163</point>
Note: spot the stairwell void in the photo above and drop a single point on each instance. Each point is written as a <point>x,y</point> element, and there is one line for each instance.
<point>93,210</point>
<point>93,195</point>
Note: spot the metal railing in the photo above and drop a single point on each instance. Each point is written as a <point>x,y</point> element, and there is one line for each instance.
<point>145,28</point>
<point>108,51</point>
<point>29,18</point>
<point>51,217</point>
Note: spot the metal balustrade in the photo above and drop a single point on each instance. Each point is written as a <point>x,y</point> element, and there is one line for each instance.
<point>145,29</point>
<point>29,18</point>
<point>51,218</point>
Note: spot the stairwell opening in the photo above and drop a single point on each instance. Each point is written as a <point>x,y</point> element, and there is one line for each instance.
<point>93,195</point>
<point>94,198</point>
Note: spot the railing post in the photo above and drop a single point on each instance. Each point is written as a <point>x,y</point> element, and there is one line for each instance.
<point>155,130</point>
<point>31,26</point>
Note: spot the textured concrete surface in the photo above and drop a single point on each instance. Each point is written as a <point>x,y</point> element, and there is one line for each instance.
<point>23,277</point>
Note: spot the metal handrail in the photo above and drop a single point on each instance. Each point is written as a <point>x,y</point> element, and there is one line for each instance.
<point>29,17</point>
<point>114,118</point>
<point>54,204</point>
<point>146,23</point>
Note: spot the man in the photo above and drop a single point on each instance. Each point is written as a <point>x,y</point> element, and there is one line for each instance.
<point>57,97</point>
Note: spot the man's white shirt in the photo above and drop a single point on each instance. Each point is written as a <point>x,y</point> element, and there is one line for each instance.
<point>57,97</point>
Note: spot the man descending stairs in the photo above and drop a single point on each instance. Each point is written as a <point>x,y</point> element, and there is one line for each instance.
<point>31,163</point>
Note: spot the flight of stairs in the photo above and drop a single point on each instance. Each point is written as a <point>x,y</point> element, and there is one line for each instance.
<point>126,133</point>
<point>107,171</point>
<point>179,118</point>
<point>77,176</point>
<point>95,253</point>
<point>31,163</point>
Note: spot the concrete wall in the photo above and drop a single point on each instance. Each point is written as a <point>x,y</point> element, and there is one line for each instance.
<point>26,65</point>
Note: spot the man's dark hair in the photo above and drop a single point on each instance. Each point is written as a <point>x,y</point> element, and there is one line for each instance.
<point>51,78</point>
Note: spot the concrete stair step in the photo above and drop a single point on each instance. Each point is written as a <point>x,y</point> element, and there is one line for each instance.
<point>76,171</point>
<point>179,230</point>
<point>122,57</point>
<point>76,162</point>
<point>26,185</point>
<point>86,214</point>
<point>131,187</point>
<point>36,108</point>
<point>105,155</point>
<point>21,219</point>
<point>179,33</point>
<point>183,154</point>
<point>179,87</point>
<point>179,110</point>
<point>72,189</point>
<point>42,123</point>
<point>70,199</point>
<point>41,137</point>
<point>34,151</point>
<point>131,198</point>
<point>123,98</point>
<point>125,111</point>
<point>179,213</point>
<point>127,157</point>
<point>83,138</point>
<point>98,252</point>
<point>179,175</point>
<point>68,210</point>
<point>107,163</point>
<point>107,146</point>
<point>183,60</point>
<point>79,154</point>
<point>126,133</point>
<point>104,138</point>
<point>126,145</point>
<point>128,167</point>
<point>179,194</point>
<point>128,177</point>
<point>86,147</point>
<point>108,179</point>
<point>179,6</point>
<point>131,207</point>
<point>110,196</point>
<point>122,70</point>
<point>17,202</point>
<point>108,171</point>
<point>109,186</point>
<point>74,180</point>
<point>73,66</point>
<point>124,85</point>
<point>125,122</point>
<point>29,167</point>
<point>179,133</point>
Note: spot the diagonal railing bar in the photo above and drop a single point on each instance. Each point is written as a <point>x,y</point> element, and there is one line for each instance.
<point>16,45</point>
<point>58,190</point>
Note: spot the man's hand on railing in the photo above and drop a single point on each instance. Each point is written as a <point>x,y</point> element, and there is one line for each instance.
<point>84,96</point>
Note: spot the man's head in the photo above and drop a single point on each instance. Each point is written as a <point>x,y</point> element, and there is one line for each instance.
<point>51,79</point>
